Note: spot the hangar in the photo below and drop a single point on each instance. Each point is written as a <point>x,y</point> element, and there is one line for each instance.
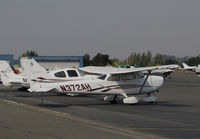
<point>59,62</point>
<point>8,57</point>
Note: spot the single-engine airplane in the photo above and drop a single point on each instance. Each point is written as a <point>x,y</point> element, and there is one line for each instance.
<point>192,68</point>
<point>122,82</point>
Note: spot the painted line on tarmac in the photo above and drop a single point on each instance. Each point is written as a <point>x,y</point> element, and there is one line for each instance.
<point>34,108</point>
<point>166,129</point>
<point>130,132</point>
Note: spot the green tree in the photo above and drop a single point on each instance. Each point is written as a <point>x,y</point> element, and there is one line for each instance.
<point>115,61</point>
<point>29,53</point>
<point>101,60</point>
<point>143,61</point>
<point>136,59</point>
<point>86,60</point>
<point>130,59</point>
<point>171,61</point>
<point>148,57</point>
<point>158,60</point>
<point>193,61</point>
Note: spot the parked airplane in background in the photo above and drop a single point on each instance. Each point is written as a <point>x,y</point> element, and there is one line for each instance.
<point>122,82</point>
<point>186,67</point>
<point>192,68</point>
<point>9,78</point>
<point>198,69</point>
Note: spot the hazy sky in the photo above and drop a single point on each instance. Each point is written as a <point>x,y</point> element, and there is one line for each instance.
<point>114,27</point>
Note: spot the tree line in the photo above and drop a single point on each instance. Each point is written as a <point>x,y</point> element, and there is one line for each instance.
<point>136,59</point>
<point>139,60</point>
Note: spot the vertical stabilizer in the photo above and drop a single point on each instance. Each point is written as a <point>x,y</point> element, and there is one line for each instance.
<point>6,73</point>
<point>185,66</point>
<point>32,69</point>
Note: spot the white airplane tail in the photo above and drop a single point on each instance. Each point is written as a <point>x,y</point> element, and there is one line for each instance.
<point>6,73</point>
<point>185,66</point>
<point>33,70</point>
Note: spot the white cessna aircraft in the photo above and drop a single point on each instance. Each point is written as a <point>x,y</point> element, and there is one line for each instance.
<point>9,78</point>
<point>122,82</point>
<point>192,68</point>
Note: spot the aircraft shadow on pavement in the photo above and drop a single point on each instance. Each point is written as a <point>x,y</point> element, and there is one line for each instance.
<point>74,104</point>
<point>164,104</point>
<point>160,104</point>
<point>23,96</point>
<point>7,90</point>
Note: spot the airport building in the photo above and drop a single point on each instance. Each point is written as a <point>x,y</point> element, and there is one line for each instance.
<point>8,57</point>
<point>51,62</point>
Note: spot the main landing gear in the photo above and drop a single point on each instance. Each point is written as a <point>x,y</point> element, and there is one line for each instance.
<point>131,100</point>
<point>111,99</point>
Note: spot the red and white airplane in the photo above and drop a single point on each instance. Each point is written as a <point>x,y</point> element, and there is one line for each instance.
<point>123,82</point>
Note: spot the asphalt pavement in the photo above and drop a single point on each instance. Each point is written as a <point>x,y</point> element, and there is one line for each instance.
<point>175,115</point>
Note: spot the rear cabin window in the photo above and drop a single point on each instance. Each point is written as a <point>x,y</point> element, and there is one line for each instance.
<point>60,74</point>
<point>114,78</point>
<point>72,73</point>
<point>128,76</point>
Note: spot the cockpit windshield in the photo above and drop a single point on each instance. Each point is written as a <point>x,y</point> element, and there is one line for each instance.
<point>81,72</point>
<point>102,77</point>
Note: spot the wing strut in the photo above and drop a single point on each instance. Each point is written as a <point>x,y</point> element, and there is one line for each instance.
<point>149,72</point>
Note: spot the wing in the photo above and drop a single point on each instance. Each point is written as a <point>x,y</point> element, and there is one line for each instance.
<point>112,70</point>
<point>173,66</point>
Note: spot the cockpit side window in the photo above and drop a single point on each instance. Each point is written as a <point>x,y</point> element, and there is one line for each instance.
<point>114,78</point>
<point>140,75</point>
<point>72,73</point>
<point>60,74</point>
<point>128,76</point>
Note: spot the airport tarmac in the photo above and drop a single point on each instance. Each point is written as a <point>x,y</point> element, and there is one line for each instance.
<point>176,115</point>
